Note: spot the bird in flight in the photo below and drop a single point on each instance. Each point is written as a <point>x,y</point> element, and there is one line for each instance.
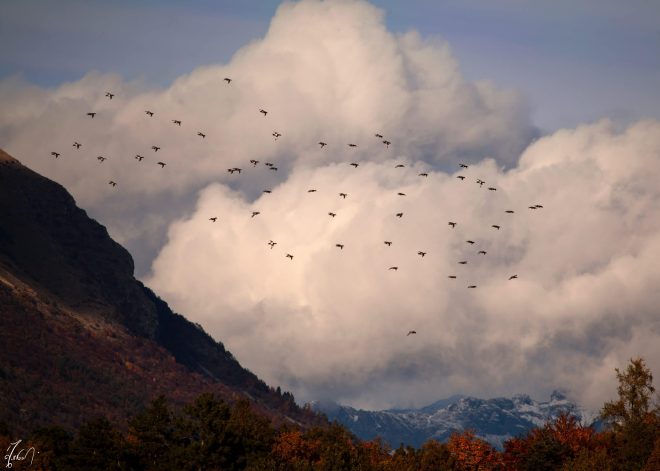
<point>139,157</point>
<point>481,252</point>
<point>311,190</point>
<point>332,214</point>
<point>452,224</point>
<point>228,80</point>
<point>112,183</point>
<point>379,136</point>
<point>267,191</point>
<point>411,332</point>
<point>463,166</point>
<point>273,169</point>
<point>509,211</point>
<point>341,246</point>
<point>91,114</point>
<point>272,244</point>
<point>470,241</point>
<point>213,219</point>
<point>354,164</point>
<point>177,122</point>
<point>322,144</point>
<point>463,262</point>
<point>343,195</point>
<point>421,254</point>
<point>388,243</point>
<point>393,268</point>
<point>352,145</point>
<point>399,215</point>
<point>492,188</point>
<point>538,206</point>
<point>453,277</point>
<point>513,277</point>
<point>533,207</point>
<point>399,166</point>
<point>276,134</point>
<point>460,177</point>
<point>201,134</point>
<point>235,169</point>
<point>56,154</point>
<point>162,164</point>
<point>150,113</point>
<point>109,95</point>
<point>155,148</point>
<point>254,213</point>
<point>264,112</point>
<point>267,164</point>
<point>290,256</point>
<point>77,145</point>
<point>423,174</point>
<point>401,194</point>
<point>101,159</point>
<point>480,182</point>
<point>254,162</point>
<point>387,143</point>
<point>496,226</point>
<point>472,286</point>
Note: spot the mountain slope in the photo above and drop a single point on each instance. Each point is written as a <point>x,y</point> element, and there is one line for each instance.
<point>494,420</point>
<point>80,336</point>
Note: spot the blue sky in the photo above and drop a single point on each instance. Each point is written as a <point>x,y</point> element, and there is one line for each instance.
<point>574,61</point>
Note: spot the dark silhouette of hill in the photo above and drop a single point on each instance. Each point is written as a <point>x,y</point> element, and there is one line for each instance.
<point>80,336</point>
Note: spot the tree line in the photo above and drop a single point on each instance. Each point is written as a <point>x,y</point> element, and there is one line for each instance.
<point>211,434</point>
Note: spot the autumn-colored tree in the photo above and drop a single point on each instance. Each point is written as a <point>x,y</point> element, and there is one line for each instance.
<point>472,453</point>
<point>631,417</point>
<point>435,456</point>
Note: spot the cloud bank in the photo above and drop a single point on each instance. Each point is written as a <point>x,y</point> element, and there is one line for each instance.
<point>331,322</point>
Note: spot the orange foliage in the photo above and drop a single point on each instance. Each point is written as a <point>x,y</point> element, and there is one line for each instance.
<point>473,453</point>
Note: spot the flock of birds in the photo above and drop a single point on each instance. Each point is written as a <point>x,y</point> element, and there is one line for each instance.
<point>271,243</point>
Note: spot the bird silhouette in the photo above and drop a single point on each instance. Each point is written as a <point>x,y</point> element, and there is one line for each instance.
<point>410,332</point>
<point>379,136</point>
<point>254,162</point>
<point>496,226</point>
<point>150,113</point>
<point>213,219</point>
<point>387,143</point>
<point>401,194</point>
<point>341,246</point>
<point>399,166</point>
<point>393,268</point>
<point>388,243</point>
<point>453,277</point>
<point>201,134</point>
<point>421,254</point>
<point>255,213</point>
<point>101,159</point>
<point>155,148</point>
<point>532,207</point>
<point>267,164</point>
<point>452,224</point>
<point>463,166</point>
<point>177,122</point>
<point>274,169</point>
<point>235,169</point>
<point>227,79</point>
<point>538,206</point>
<point>276,135</point>
<point>423,174</point>
<point>481,252</point>
<point>472,286</point>
<point>399,215</point>
<point>491,188</point>
<point>139,157</point>
<point>311,191</point>
<point>56,154</point>
<point>267,191</point>
<point>509,211</point>
<point>112,183</point>
<point>463,262</point>
<point>354,164</point>
<point>343,195</point>
<point>77,145</point>
<point>91,115</point>
<point>272,244</point>
<point>322,144</point>
<point>352,145</point>
<point>461,177</point>
<point>264,112</point>
<point>480,182</point>
<point>470,241</point>
<point>332,214</point>
<point>109,95</point>
<point>162,164</point>
<point>290,256</point>
<point>513,277</point>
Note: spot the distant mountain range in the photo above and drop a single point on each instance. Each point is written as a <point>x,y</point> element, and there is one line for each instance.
<point>494,420</point>
<point>81,337</point>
